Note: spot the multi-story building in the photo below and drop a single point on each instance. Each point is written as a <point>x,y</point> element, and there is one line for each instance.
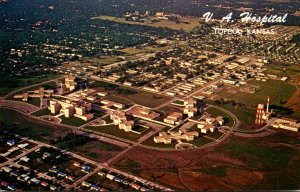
<point>69,109</point>
<point>119,118</point>
<point>190,107</point>
<point>173,118</point>
<point>288,124</point>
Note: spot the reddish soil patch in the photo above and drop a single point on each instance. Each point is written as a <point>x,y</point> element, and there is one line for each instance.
<point>165,177</point>
<point>201,182</point>
<point>243,177</point>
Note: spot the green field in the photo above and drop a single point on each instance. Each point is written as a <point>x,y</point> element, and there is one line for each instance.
<point>19,124</point>
<point>139,128</point>
<point>178,102</point>
<point>73,121</point>
<point>200,141</point>
<point>115,131</point>
<point>283,70</point>
<point>279,162</point>
<point>19,82</point>
<point>278,91</point>
<point>186,23</point>
<point>35,101</point>
<point>42,112</point>
<point>136,96</point>
<point>259,157</point>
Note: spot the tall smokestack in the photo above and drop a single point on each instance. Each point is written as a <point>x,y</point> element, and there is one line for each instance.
<point>268,103</point>
<point>259,114</point>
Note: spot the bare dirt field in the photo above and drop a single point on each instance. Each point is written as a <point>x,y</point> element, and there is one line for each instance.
<point>237,163</point>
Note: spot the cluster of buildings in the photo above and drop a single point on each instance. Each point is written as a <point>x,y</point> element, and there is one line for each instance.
<point>79,109</point>
<point>205,125</point>
<point>143,113</point>
<point>288,124</point>
<point>112,105</point>
<point>119,118</point>
<point>38,93</point>
<point>116,178</point>
<point>190,107</point>
<point>167,138</point>
<point>209,124</point>
<point>70,84</point>
<point>147,17</point>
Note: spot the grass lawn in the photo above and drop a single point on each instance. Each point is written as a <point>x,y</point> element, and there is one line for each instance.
<point>200,141</point>
<point>42,112</point>
<point>107,119</point>
<point>216,134</point>
<point>73,121</point>
<point>214,112</point>
<point>260,157</point>
<point>139,128</point>
<point>35,101</point>
<point>278,91</point>
<point>138,96</point>
<point>277,69</point>
<point>115,131</point>
<point>25,81</point>
<point>178,102</point>
<point>17,123</point>
<point>186,23</point>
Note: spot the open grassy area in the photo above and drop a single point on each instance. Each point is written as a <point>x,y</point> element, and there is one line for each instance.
<point>17,123</point>
<point>278,91</point>
<point>186,23</point>
<point>73,121</point>
<point>42,112</point>
<point>283,70</point>
<point>35,101</point>
<point>200,141</point>
<point>115,131</point>
<point>214,112</point>
<point>259,157</point>
<point>23,82</point>
<point>178,102</point>
<point>136,96</point>
<point>139,128</point>
<point>275,156</point>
